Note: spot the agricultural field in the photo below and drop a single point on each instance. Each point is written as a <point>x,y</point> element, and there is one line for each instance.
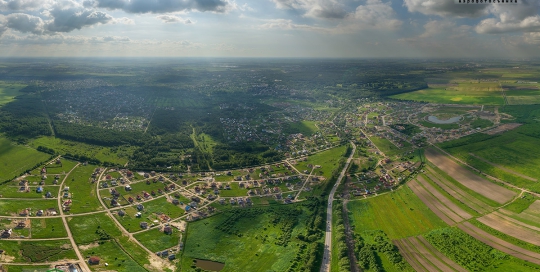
<point>399,214</point>
<point>511,156</point>
<point>9,90</point>
<point>16,159</point>
<point>457,93</point>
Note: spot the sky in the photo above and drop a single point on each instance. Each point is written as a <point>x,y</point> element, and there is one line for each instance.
<point>269,28</point>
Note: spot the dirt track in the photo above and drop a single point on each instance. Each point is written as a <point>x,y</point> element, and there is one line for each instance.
<point>458,193</point>
<point>500,244</point>
<point>510,228</point>
<point>469,179</point>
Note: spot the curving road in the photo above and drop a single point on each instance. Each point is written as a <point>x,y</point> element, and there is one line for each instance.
<point>325,266</point>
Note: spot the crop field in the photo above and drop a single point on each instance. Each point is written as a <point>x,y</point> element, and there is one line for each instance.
<point>511,156</point>
<point>83,191</point>
<point>48,228</point>
<point>12,207</point>
<point>512,227</point>
<point>399,214</point>
<point>117,155</point>
<point>259,239</point>
<point>15,159</point>
<point>422,256</point>
<point>328,160</point>
<point>84,228</point>
<point>37,251</point>
<point>469,179</point>
<point>461,93</point>
<point>8,91</point>
<point>522,93</point>
<point>155,240</point>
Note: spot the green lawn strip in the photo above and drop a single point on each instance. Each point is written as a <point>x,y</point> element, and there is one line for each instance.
<point>451,198</point>
<point>48,228</point>
<point>111,253</point>
<point>521,203</point>
<point>83,191</point>
<point>12,207</point>
<point>399,214</point>
<point>473,254</point>
<point>462,187</point>
<point>26,268</point>
<point>155,240</point>
<point>89,228</point>
<point>13,191</point>
<point>38,251</point>
<point>506,237</point>
<point>16,159</point>
<point>150,213</point>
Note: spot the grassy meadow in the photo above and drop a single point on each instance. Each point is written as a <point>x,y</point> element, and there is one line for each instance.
<point>15,159</point>
<point>8,91</point>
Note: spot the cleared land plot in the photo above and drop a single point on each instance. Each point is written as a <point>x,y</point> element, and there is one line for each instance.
<point>150,213</point>
<point>399,214</point>
<point>443,199</point>
<point>512,227</point>
<point>500,244</point>
<point>461,93</point>
<point>15,159</point>
<point>458,193</point>
<point>86,229</point>
<point>156,240</point>
<point>469,179</point>
<point>114,255</point>
<point>434,205</point>
<point>328,160</point>
<point>48,228</point>
<point>83,191</point>
<point>13,207</point>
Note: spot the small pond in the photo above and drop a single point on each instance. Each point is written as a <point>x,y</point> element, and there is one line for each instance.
<point>209,265</point>
<point>436,120</point>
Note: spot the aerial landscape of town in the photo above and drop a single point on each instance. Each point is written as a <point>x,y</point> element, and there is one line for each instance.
<point>289,166</point>
<point>269,136</point>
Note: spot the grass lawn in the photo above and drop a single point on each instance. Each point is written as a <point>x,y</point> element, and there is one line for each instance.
<point>234,191</point>
<point>12,191</point>
<point>112,253</point>
<point>84,228</point>
<point>399,214</point>
<point>48,228</point>
<point>307,128</point>
<point>16,159</point>
<point>155,240</point>
<point>328,160</point>
<point>83,191</point>
<point>150,213</point>
<point>12,207</point>
<point>61,168</point>
<point>118,155</point>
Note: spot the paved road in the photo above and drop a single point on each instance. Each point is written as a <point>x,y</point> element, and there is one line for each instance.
<point>325,266</point>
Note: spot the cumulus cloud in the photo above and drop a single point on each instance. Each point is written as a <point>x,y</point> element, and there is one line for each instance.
<point>66,20</point>
<point>327,9</point>
<point>445,8</point>
<point>24,23</point>
<point>447,29</point>
<point>376,15</point>
<point>290,25</point>
<point>161,6</point>
<point>173,19</point>
<point>22,5</point>
<point>512,18</point>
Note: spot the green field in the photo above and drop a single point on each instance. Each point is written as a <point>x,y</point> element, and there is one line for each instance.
<point>462,93</point>
<point>8,91</point>
<point>48,228</point>
<point>15,159</point>
<point>13,207</point>
<point>83,191</point>
<point>307,128</point>
<point>328,160</point>
<point>115,255</point>
<point>516,150</point>
<point>116,155</point>
<point>399,214</point>
<point>37,252</point>
<point>155,240</point>
<point>84,227</point>
<point>387,147</point>
<point>152,210</point>
<point>257,239</point>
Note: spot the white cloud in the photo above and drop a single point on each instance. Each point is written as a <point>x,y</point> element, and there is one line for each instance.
<point>374,15</point>
<point>445,29</point>
<point>162,6</point>
<point>445,8</point>
<point>174,19</point>
<point>23,5</point>
<point>327,9</point>
<point>289,25</point>
<point>512,18</point>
